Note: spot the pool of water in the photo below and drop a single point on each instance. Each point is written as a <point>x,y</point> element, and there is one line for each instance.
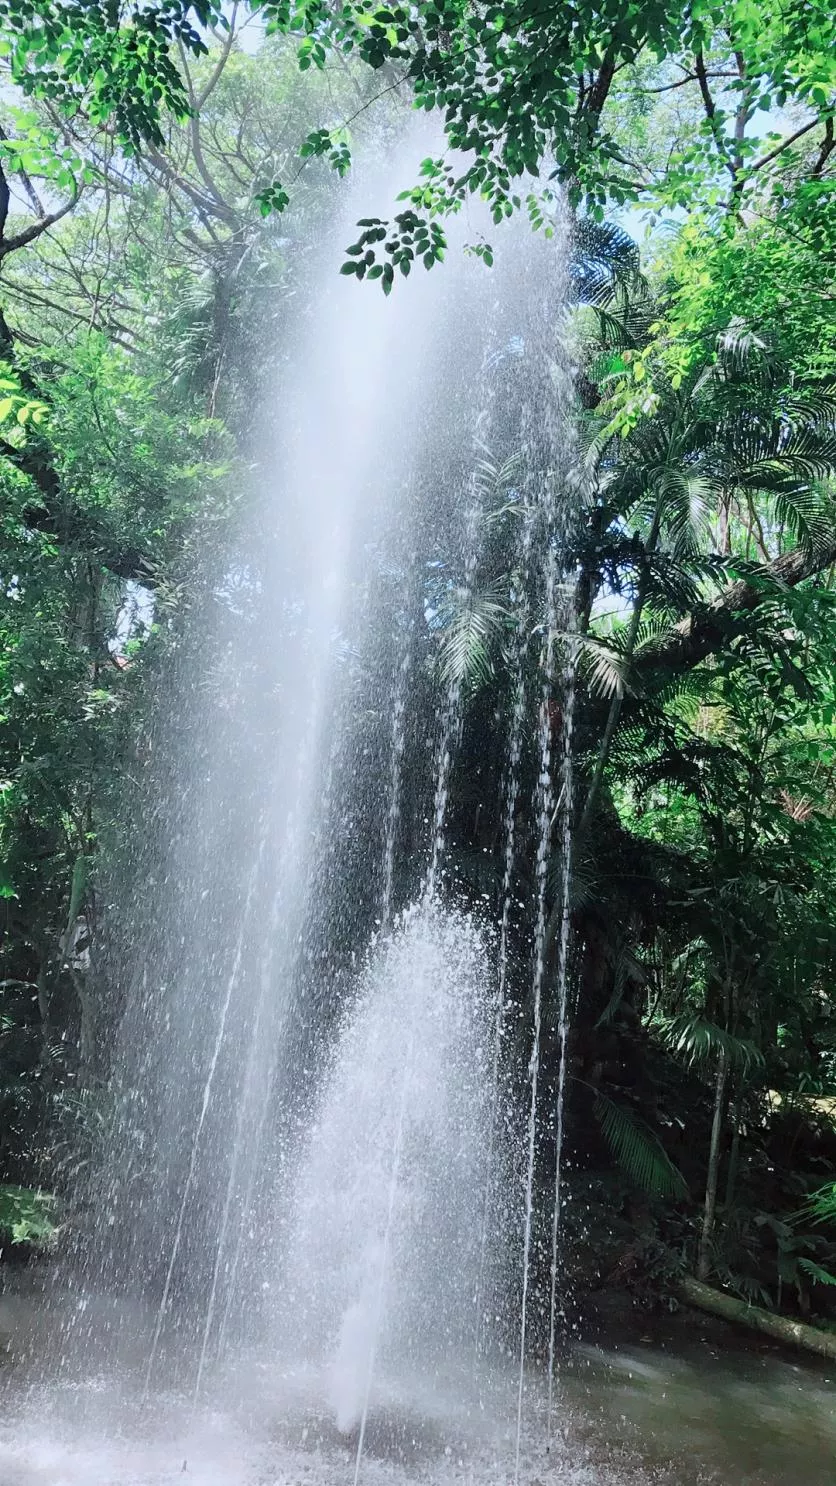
<point>695,1409</point>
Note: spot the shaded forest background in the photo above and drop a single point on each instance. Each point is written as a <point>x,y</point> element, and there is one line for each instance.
<point>164,171</point>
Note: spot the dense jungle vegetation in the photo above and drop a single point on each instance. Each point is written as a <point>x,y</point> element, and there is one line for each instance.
<point>163,170</point>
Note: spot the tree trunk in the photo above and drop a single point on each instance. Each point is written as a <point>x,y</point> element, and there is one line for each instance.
<point>704,1256</point>
<point>794,1333</point>
<point>734,1155</point>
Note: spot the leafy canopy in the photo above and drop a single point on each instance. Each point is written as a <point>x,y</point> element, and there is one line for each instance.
<point>525,90</point>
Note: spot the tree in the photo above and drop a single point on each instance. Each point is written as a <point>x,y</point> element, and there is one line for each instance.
<point>522,90</point>
<point>117,484</point>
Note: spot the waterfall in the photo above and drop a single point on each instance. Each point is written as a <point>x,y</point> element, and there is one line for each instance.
<point>317,1156</point>
<point>561,916</point>
<point>398,744</point>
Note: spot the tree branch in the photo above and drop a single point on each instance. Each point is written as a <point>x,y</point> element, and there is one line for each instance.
<point>205,207</point>
<point>5,198</point>
<point>119,334</point>
<point>29,234</point>
<point>705,632</point>
<point>826,150</point>
<point>784,145</point>
<point>711,113</point>
<point>690,77</point>
<point>598,93</point>
<point>52,517</point>
<point>217,72</point>
<point>34,198</point>
<point>743,114</point>
<point>225,211</point>
<point>702,79</point>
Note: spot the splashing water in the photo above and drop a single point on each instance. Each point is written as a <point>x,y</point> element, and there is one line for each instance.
<point>561,913</point>
<point>395,770</point>
<point>383,1253</point>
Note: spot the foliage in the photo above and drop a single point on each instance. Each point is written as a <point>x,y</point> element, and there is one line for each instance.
<point>472,623</point>
<point>567,92</point>
<point>821,1204</point>
<point>638,1151</point>
<point>116,64</point>
<point>699,1041</point>
<point>119,350</point>
<point>703,893</point>
<point>26,1216</point>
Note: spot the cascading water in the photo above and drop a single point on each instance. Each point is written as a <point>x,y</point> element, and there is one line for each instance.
<point>314,1164</point>
<point>231,976</point>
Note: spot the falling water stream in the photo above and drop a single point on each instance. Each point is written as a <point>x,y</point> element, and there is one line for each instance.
<point>404,666</point>
<point>512,791</point>
<point>545,807</point>
<point>561,918</point>
<point>451,709</point>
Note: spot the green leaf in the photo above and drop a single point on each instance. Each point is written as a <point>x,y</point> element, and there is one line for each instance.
<point>820,1206</point>
<point>472,626</point>
<point>27,1215</point>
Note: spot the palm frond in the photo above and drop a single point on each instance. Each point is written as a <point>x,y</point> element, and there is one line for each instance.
<point>602,665</point>
<point>689,503</point>
<point>815,1271</point>
<point>699,1041</point>
<point>472,626</point>
<point>812,407</point>
<point>604,256</point>
<point>653,629</point>
<point>687,686</point>
<point>820,1206</point>
<point>738,346</point>
<point>495,481</point>
<point>770,458</point>
<point>638,1151</point>
<point>615,333</point>
<point>626,967</point>
<point>668,584</point>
